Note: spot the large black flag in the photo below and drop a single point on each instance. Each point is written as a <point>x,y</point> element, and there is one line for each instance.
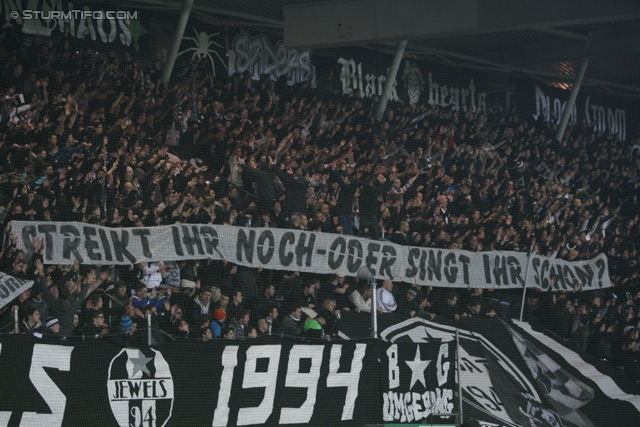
<point>513,376</point>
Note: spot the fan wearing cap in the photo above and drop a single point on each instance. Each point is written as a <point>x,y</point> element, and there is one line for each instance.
<point>128,324</point>
<point>52,328</point>
<point>217,324</point>
<point>126,335</point>
<point>53,325</point>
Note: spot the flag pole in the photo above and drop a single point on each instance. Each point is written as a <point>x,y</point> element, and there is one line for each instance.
<point>459,377</point>
<point>374,308</point>
<point>524,288</point>
<point>149,339</point>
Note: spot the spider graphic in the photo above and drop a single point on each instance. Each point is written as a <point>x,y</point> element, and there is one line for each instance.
<point>203,43</point>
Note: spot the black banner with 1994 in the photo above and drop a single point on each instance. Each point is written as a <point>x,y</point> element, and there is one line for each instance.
<point>266,381</point>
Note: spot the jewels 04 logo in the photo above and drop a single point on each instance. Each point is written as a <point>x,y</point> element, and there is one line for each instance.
<point>140,388</point>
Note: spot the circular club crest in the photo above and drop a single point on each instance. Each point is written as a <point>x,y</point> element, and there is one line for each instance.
<point>140,388</point>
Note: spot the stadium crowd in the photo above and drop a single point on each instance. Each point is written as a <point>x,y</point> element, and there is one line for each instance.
<point>100,139</point>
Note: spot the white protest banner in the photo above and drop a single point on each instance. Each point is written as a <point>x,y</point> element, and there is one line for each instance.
<point>444,267</point>
<point>11,287</point>
<point>253,247</point>
<point>556,274</point>
<point>284,249</point>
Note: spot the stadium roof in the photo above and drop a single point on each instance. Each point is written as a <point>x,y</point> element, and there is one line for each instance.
<point>544,39</point>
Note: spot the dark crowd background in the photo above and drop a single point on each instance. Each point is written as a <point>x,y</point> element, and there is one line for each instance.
<point>100,139</point>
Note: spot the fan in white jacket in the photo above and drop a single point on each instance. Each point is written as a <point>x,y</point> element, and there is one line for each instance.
<point>386,302</point>
<point>362,299</point>
<point>152,274</point>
